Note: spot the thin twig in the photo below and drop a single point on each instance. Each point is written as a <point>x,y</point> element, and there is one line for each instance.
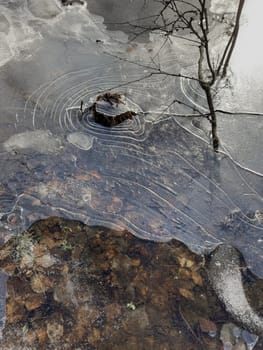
<point>155,69</point>
<point>189,327</point>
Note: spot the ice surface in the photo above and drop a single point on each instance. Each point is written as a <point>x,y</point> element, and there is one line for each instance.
<point>156,174</point>
<point>5,52</point>
<point>221,7</point>
<point>80,140</point>
<point>4,24</point>
<point>44,8</point>
<point>15,32</point>
<point>41,141</point>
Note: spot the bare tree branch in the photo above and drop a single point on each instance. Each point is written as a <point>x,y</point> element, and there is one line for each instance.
<point>190,17</point>
<point>155,70</point>
<point>233,37</point>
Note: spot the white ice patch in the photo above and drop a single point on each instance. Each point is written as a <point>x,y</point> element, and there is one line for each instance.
<point>76,21</point>
<point>4,24</point>
<point>5,52</point>
<point>81,140</point>
<point>221,7</point>
<point>247,60</point>
<point>44,8</point>
<point>16,33</point>
<point>41,141</point>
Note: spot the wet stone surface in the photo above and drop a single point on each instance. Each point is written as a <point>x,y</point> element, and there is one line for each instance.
<point>110,109</point>
<point>73,286</point>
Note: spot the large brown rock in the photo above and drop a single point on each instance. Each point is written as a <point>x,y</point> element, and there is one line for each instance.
<point>110,109</point>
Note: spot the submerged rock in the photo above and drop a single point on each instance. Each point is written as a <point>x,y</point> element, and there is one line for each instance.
<point>111,109</point>
<point>234,338</point>
<point>225,276</point>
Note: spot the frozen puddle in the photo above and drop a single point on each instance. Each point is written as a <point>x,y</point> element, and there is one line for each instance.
<point>155,175</point>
